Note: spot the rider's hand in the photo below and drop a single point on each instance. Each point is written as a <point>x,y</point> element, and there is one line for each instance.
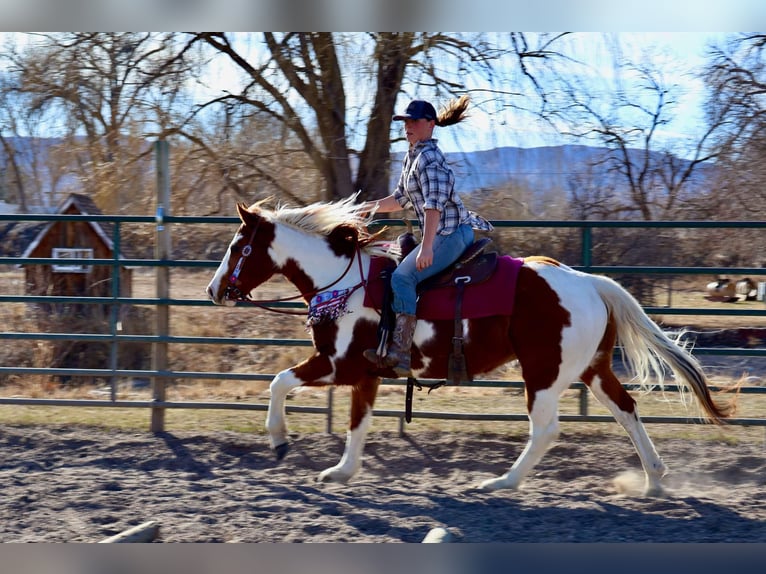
<point>425,257</point>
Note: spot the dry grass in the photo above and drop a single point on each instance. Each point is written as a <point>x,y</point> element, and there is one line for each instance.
<point>390,398</point>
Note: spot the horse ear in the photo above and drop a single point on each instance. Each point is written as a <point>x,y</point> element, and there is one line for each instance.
<point>246,214</point>
<point>343,239</point>
<point>242,211</point>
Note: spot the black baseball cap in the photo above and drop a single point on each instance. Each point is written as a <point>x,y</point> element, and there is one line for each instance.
<point>418,109</point>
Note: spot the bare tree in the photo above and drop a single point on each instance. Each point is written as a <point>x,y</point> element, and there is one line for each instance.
<point>312,119</point>
<point>736,77</point>
<point>102,92</point>
<point>302,83</point>
<point>11,173</point>
<point>23,180</point>
<point>638,174</point>
<point>645,177</point>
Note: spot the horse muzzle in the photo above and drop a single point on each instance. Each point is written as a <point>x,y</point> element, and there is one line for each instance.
<point>220,299</point>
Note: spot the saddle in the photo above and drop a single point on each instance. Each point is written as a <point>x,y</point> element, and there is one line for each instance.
<point>472,266</point>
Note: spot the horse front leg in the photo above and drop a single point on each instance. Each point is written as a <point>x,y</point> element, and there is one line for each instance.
<point>362,400</point>
<point>276,425</point>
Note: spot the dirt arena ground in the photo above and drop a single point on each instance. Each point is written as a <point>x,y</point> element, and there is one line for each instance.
<point>70,484</point>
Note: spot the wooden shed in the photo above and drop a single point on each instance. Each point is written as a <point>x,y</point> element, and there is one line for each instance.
<point>68,240</point>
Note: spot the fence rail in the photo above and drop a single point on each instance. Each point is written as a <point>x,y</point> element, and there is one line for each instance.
<point>161,339</point>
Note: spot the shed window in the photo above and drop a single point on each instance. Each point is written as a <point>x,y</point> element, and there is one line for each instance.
<point>72,253</point>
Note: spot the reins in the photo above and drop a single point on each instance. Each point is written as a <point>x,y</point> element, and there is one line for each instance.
<point>239,296</point>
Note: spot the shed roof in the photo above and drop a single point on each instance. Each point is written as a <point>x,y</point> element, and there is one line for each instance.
<point>85,206</point>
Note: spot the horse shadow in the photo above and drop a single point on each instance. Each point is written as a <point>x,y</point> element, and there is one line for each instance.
<point>390,502</point>
<point>507,517</point>
<point>397,502</point>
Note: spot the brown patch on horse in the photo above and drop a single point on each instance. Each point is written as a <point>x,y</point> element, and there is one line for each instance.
<point>259,234</point>
<point>312,369</point>
<point>323,335</point>
<point>536,331</point>
<point>362,400</point>
<point>343,240</point>
<point>486,347</point>
<point>346,238</point>
<point>298,277</point>
<point>602,367</point>
<point>348,371</point>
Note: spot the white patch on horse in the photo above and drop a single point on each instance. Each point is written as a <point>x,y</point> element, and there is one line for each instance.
<point>351,461</point>
<point>279,388</point>
<point>424,332</point>
<point>315,258</point>
<point>588,318</point>
<point>347,323</point>
<point>214,287</point>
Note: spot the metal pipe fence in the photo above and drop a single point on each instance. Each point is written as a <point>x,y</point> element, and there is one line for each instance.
<point>161,375</point>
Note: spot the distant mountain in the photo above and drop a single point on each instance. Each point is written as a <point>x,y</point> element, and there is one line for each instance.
<point>540,168</point>
<point>544,169</point>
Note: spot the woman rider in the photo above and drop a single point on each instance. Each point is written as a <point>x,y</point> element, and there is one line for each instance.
<point>426,185</point>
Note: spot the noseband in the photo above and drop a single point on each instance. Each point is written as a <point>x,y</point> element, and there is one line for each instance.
<point>234,293</point>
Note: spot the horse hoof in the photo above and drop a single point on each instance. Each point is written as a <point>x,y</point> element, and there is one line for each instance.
<point>493,484</point>
<point>281,450</point>
<point>488,486</point>
<point>655,492</point>
<point>332,475</point>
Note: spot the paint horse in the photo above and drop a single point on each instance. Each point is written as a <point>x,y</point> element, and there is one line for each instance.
<point>563,328</point>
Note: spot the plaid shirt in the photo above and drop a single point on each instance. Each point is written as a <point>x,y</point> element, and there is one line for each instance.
<point>427,182</point>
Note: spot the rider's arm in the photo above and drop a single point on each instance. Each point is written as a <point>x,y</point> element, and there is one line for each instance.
<point>425,255</point>
<point>385,205</point>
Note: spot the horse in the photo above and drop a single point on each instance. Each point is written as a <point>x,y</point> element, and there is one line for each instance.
<point>564,327</point>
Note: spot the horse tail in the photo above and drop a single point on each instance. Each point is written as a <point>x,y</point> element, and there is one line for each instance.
<point>646,349</point>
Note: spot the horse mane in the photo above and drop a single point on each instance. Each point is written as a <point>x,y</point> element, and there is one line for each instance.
<point>322,218</point>
<point>454,112</point>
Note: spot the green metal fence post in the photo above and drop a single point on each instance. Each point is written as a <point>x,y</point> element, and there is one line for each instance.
<point>587,245</point>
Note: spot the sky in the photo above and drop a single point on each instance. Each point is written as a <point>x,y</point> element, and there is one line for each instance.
<point>679,54</point>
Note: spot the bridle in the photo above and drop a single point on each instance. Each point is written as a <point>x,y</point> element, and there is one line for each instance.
<point>234,293</point>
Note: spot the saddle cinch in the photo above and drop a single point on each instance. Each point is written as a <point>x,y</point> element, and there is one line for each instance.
<point>474,266</point>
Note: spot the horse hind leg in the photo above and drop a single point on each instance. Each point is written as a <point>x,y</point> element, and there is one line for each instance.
<point>542,407</point>
<point>607,389</point>
<point>546,375</point>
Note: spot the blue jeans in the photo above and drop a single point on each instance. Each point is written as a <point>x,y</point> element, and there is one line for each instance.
<point>447,248</point>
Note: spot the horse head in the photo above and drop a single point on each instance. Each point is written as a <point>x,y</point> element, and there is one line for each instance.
<point>247,263</point>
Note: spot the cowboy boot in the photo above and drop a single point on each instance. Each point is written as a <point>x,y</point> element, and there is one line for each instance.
<point>398,355</point>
